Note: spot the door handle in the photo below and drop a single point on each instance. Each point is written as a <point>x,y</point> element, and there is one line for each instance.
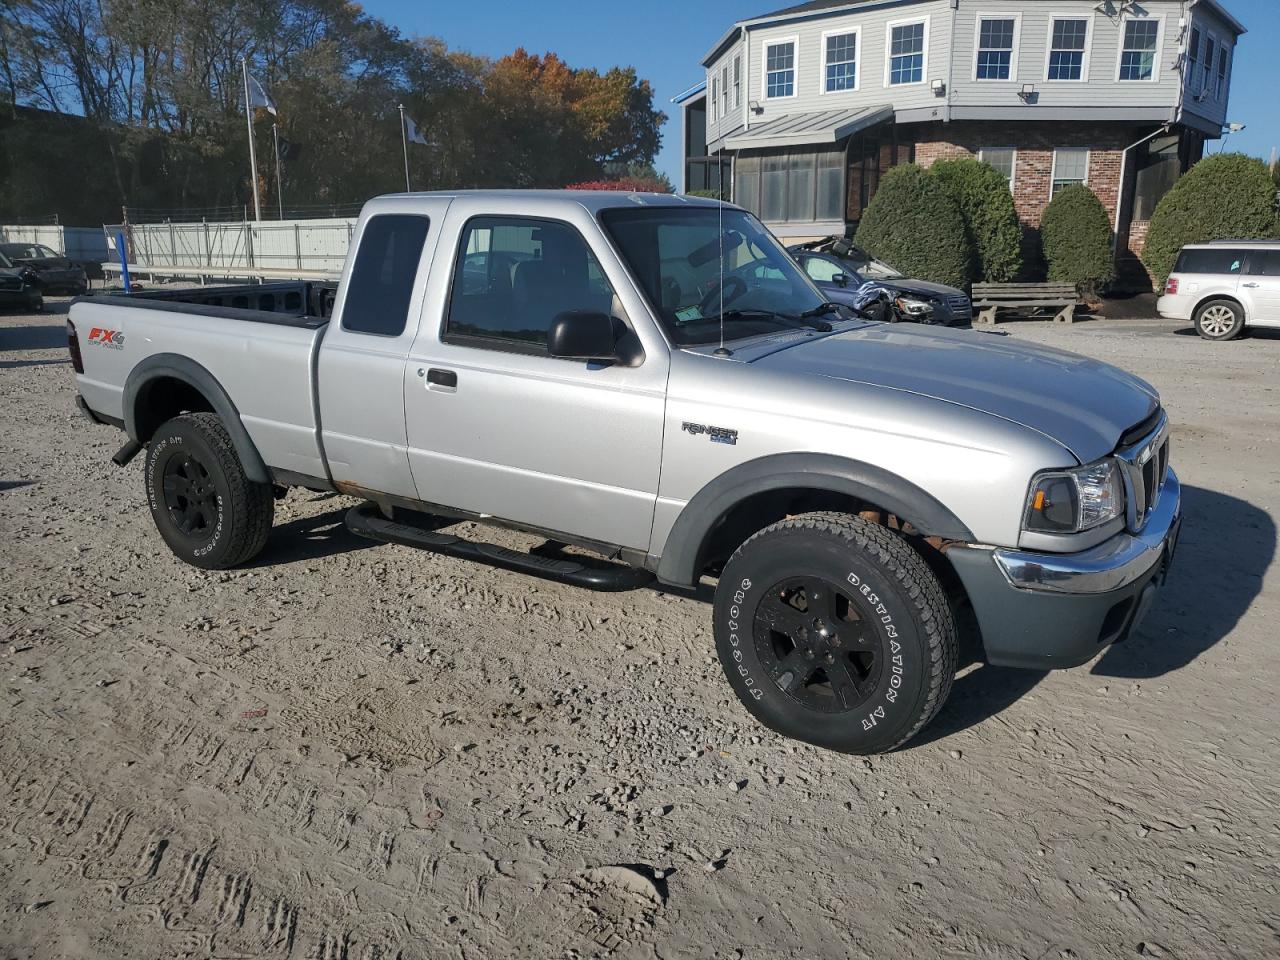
<point>1249,285</point>
<point>442,378</point>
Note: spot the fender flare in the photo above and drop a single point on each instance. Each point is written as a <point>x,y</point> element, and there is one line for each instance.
<point>681,559</point>
<point>177,367</point>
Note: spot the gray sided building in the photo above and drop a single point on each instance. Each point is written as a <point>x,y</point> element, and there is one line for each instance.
<point>804,109</point>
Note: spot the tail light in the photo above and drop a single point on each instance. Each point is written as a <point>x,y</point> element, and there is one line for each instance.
<point>1171,286</point>
<point>73,347</point>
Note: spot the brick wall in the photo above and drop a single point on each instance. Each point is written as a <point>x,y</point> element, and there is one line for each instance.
<point>1033,172</point>
<point>1035,143</point>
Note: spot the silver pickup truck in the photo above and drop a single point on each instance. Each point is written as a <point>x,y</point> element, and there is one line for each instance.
<point>653,385</point>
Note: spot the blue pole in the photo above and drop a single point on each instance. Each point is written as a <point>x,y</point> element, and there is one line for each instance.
<point>124,262</point>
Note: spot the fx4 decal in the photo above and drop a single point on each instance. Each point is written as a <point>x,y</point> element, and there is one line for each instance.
<point>112,339</point>
<point>717,434</point>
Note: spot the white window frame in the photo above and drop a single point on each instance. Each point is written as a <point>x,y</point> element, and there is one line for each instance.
<point>764,66</point>
<point>1210,69</point>
<point>1155,63</point>
<point>737,80</point>
<point>888,53</point>
<point>1222,75</point>
<point>724,89</point>
<point>857,60</point>
<point>1192,57</point>
<point>1053,169</point>
<point>1013,54</point>
<point>1013,173</point>
<point>714,98</point>
<point>1088,45</point>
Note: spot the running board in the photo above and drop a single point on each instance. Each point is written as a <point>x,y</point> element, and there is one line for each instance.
<point>367,521</point>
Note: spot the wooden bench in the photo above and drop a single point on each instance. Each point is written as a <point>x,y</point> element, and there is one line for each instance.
<point>990,297</point>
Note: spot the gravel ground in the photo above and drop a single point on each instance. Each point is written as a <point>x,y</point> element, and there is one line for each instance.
<point>354,751</point>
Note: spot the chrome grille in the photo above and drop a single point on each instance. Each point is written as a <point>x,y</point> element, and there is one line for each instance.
<point>1145,463</point>
<point>960,306</point>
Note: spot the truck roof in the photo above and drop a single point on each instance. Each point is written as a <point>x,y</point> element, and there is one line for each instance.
<point>592,200</point>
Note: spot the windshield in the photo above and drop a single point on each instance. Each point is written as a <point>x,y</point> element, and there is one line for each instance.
<point>26,251</point>
<point>676,255</point>
<point>868,267</point>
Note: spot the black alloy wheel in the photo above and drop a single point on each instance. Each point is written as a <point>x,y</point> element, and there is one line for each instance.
<point>817,645</point>
<point>191,496</point>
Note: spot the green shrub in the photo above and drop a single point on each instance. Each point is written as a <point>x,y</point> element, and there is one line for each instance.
<point>913,224</point>
<point>982,193</point>
<point>1224,197</point>
<point>1075,232</point>
<point>709,194</point>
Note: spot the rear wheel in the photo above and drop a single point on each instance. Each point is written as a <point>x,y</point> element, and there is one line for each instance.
<point>206,508</point>
<point>832,630</point>
<point>1219,320</point>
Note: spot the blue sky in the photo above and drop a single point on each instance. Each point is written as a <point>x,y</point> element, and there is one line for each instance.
<point>665,40</point>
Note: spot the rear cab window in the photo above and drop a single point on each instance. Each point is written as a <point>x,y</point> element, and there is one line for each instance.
<point>383,275</point>
<point>1220,260</point>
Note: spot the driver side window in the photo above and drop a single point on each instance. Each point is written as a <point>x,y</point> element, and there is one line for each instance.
<point>514,276</point>
<point>823,271</point>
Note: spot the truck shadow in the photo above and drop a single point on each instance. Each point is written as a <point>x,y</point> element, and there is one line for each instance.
<point>1224,551</point>
<point>311,538</point>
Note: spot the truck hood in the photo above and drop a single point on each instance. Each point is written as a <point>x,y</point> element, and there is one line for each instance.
<point>1081,403</point>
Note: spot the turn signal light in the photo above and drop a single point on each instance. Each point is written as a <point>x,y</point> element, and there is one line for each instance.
<point>1171,286</point>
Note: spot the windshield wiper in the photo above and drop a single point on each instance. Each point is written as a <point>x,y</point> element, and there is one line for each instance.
<point>802,322</point>
<point>829,306</point>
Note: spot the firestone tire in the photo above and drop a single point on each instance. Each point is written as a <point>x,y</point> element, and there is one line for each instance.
<point>832,630</point>
<point>206,508</point>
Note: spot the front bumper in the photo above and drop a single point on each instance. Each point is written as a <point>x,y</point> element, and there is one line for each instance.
<point>1043,610</point>
<point>23,296</point>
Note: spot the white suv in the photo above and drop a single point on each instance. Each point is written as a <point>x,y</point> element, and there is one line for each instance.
<point>1225,286</point>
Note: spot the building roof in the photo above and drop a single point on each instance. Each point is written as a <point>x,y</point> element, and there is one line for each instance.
<point>802,128</point>
<point>813,6</point>
<point>692,92</point>
<point>1217,7</point>
<point>822,6</point>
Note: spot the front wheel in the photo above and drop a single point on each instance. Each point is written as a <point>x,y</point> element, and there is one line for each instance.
<point>832,630</point>
<point>206,508</point>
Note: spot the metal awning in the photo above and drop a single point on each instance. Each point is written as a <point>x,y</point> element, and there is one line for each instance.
<point>793,129</point>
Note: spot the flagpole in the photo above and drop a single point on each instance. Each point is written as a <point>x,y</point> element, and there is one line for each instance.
<point>275,138</point>
<point>404,142</point>
<point>253,153</point>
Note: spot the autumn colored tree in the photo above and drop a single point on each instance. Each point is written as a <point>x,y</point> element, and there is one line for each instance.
<point>152,90</point>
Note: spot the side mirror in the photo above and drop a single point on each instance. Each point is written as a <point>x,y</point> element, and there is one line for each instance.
<point>842,279</point>
<point>582,335</point>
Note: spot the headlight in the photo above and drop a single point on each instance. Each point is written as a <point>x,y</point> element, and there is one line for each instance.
<point>914,306</point>
<point>1069,501</point>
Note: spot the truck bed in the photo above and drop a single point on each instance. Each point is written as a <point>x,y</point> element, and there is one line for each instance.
<point>260,342</point>
<point>299,303</point>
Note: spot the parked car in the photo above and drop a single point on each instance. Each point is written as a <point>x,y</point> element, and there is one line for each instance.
<point>57,274</point>
<point>19,286</point>
<point>1224,286</point>
<point>843,271</point>
<point>653,380</point>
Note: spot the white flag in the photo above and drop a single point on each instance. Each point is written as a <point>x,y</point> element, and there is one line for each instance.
<point>413,134</point>
<point>258,97</point>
